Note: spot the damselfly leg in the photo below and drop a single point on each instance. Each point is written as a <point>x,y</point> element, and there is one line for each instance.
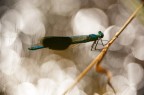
<point>96,42</point>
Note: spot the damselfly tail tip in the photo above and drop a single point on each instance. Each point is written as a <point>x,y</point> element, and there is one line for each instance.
<point>35,47</point>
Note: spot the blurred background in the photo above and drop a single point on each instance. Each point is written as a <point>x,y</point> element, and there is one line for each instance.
<point>48,72</point>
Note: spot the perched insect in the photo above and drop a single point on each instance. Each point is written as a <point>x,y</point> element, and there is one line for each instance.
<point>62,42</point>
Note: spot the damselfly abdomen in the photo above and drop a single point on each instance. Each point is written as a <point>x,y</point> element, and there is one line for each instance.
<point>62,43</point>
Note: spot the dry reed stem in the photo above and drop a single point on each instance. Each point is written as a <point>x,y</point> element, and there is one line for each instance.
<point>99,58</point>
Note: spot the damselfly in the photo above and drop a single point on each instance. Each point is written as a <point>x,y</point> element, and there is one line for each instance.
<point>63,42</point>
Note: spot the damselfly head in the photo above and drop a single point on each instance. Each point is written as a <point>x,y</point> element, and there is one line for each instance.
<point>100,34</point>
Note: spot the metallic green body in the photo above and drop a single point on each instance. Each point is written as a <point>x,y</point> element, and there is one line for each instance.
<point>61,43</point>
